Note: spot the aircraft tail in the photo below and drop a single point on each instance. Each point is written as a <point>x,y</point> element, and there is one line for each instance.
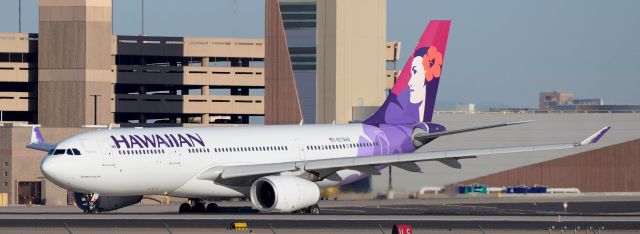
<point>413,96</point>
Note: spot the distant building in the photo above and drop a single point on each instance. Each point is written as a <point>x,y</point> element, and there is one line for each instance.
<point>562,101</point>
<point>554,98</point>
<point>589,101</point>
<point>466,107</point>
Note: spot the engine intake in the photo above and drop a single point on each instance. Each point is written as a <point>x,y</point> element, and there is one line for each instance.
<point>283,193</point>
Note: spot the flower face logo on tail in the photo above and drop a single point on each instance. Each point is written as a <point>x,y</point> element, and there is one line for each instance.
<point>432,63</point>
<point>425,66</point>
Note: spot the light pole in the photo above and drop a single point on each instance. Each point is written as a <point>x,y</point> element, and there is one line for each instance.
<point>19,16</point>
<point>142,9</point>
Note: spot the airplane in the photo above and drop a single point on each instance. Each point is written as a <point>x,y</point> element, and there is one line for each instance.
<point>279,168</point>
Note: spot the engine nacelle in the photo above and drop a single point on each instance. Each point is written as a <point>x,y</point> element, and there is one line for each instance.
<point>283,193</point>
<point>104,203</point>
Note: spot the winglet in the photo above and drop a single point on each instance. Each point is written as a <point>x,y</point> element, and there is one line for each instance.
<point>595,137</point>
<point>36,136</point>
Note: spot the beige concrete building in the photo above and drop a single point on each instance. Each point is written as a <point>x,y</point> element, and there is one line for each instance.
<point>76,67</point>
<point>330,55</point>
<point>74,73</point>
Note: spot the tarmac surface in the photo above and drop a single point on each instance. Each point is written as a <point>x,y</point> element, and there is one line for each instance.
<point>605,214</point>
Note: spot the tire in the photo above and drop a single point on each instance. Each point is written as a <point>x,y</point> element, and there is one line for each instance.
<point>198,208</point>
<point>212,208</point>
<point>184,208</point>
<point>314,210</point>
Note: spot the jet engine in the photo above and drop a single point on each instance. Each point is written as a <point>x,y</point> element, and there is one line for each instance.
<point>94,203</point>
<point>283,193</point>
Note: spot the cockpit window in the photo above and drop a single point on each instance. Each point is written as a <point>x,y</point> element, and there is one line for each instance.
<point>58,151</point>
<point>69,152</point>
<point>76,151</point>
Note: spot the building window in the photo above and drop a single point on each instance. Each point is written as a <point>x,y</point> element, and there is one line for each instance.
<point>6,164</point>
<point>6,184</point>
<point>6,173</point>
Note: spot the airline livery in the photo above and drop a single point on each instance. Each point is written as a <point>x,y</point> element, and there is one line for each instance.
<point>280,168</point>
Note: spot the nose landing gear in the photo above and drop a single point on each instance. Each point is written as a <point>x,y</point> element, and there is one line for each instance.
<point>89,203</point>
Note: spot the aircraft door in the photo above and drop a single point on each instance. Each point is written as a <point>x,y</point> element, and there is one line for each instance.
<point>106,151</point>
<point>174,157</point>
<point>301,151</point>
<point>381,138</point>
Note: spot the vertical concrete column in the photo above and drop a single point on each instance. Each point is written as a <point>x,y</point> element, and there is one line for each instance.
<point>205,61</point>
<point>74,60</point>
<point>205,119</point>
<point>204,90</point>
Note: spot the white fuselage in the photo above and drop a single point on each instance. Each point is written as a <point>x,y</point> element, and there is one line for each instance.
<point>134,162</point>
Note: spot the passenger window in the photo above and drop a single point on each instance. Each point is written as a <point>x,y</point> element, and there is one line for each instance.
<point>76,151</point>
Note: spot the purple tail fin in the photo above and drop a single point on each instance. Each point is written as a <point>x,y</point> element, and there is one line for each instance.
<point>413,97</point>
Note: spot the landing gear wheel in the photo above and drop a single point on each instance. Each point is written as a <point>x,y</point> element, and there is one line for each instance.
<point>314,210</point>
<point>184,208</point>
<point>212,208</point>
<point>198,208</point>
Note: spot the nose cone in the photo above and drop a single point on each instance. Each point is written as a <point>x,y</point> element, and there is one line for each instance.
<point>54,171</point>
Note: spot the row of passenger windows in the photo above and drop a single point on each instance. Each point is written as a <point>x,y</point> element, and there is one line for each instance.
<point>73,151</point>
<point>251,149</point>
<point>227,149</point>
<point>341,146</point>
<point>142,151</point>
<point>199,150</point>
<point>206,150</point>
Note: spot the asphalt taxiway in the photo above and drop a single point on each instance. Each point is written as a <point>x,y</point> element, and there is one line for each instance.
<point>519,215</point>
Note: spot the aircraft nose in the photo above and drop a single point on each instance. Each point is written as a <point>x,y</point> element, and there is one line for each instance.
<point>53,170</point>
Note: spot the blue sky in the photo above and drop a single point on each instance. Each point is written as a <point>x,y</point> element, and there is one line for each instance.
<point>500,53</point>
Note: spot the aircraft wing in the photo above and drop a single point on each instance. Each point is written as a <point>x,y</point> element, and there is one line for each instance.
<point>37,142</point>
<point>325,168</point>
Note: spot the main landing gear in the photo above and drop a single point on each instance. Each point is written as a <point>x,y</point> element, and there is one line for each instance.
<point>197,206</point>
<point>314,210</point>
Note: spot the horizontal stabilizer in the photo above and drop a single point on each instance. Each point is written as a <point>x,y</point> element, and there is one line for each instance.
<point>426,137</point>
<point>37,141</point>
